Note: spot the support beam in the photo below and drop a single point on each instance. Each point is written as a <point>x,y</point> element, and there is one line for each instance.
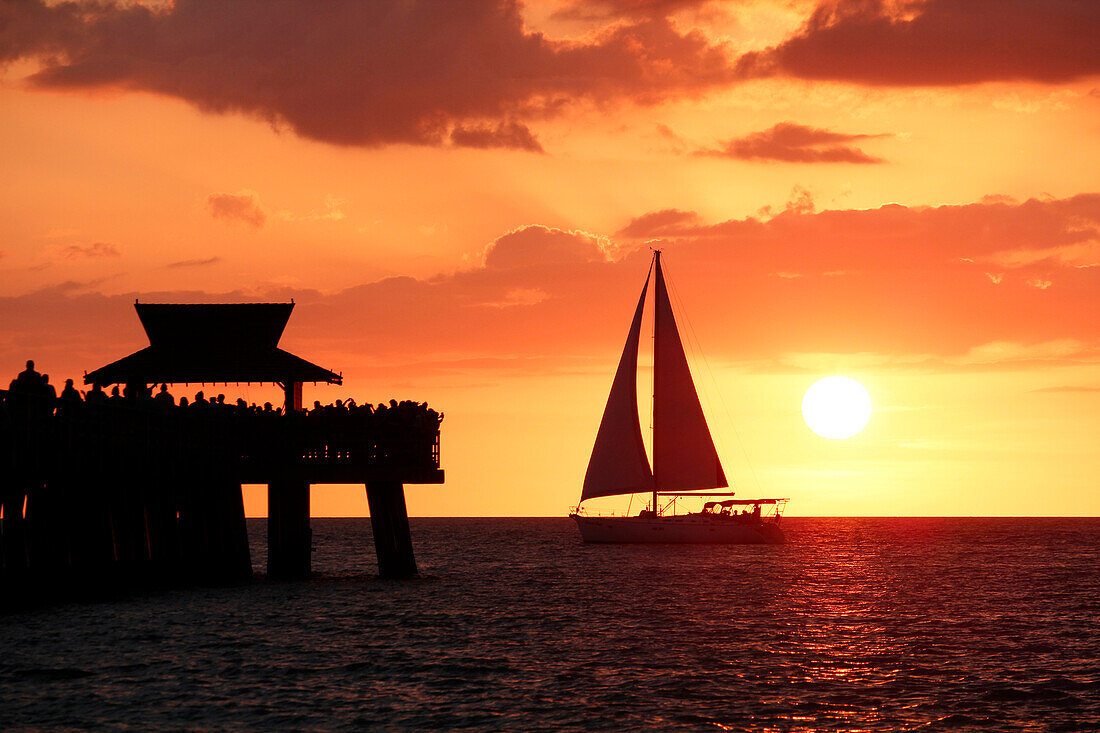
<point>389,520</point>
<point>289,538</point>
<point>292,397</point>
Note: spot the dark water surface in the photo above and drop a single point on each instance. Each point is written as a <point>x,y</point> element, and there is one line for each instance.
<point>856,624</point>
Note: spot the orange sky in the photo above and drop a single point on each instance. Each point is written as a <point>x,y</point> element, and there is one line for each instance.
<point>461,199</point>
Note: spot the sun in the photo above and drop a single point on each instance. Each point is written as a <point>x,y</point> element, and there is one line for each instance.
<point>836,407</point>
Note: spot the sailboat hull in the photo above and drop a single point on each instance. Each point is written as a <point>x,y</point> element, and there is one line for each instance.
<point>677,530</point>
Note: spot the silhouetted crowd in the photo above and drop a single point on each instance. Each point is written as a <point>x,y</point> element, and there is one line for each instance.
<point>31,396</point>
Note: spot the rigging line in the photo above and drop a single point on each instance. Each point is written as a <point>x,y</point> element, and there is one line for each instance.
<point>696,347</point>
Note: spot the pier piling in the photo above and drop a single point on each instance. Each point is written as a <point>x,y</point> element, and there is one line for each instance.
<point>389,521</point>
<point>289,538</point>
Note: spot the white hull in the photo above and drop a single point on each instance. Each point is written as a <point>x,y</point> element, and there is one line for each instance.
<point>683,529</point>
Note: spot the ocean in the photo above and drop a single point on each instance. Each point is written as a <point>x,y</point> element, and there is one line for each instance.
<point>854,625</point>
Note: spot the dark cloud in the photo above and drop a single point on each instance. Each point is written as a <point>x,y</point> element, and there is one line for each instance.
<point>510,134</point>
<point>236,207</point>
<point>792,143</point>
<point>609,9</point>
<point>356,73</point>
<point>195,263</point>
<point>939,43</point>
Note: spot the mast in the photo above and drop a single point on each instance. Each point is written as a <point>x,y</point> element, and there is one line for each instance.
<point>656,351</point>
<point>684,456</point>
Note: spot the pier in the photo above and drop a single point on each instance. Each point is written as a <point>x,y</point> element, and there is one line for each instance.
<point>109,491</point>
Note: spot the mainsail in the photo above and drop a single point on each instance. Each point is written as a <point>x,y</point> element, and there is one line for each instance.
<point>618,464</point>
<point>684,457</point>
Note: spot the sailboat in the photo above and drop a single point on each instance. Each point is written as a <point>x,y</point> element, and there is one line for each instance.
<point>685,461</point>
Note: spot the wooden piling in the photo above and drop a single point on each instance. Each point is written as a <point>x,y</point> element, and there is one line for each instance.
<point>389,520</point>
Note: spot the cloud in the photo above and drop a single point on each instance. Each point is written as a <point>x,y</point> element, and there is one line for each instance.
<point>656,223</point>
<point>511,134</point>
<point>1057,350</point>
<point>792,143</point>
<point>1068,388</point>
<point>609,9</point>
<point>365,73</point>
<point>540,246</point>
<point>915,277</point>
<point>519,297</point>
<point>236,208</point>
<point>1078,254</point>
<point>195,263</point>
<point>939,43</point>
<point>540,295</point>
<point>94,250</point>
<point>333,211</point>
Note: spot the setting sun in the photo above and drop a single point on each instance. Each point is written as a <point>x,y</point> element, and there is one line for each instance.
<point>836,407</point>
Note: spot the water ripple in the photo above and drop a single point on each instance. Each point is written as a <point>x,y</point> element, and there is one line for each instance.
<point>855,625</point>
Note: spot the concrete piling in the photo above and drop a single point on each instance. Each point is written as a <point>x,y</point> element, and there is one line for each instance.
<point>289,538</point>
<point>389,520</point>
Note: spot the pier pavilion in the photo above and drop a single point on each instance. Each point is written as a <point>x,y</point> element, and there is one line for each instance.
<point>129,488</point>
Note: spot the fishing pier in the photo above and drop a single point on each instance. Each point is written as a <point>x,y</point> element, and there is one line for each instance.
<point>135,489</point>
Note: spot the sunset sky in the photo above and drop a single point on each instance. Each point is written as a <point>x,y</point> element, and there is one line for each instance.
<point>461,198</point>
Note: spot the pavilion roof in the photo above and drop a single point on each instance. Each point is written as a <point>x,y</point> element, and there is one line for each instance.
<point>222,342</point>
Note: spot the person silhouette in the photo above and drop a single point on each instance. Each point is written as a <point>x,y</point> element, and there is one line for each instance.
<point>115,397</point>
<point>95,396</point>
<point>164,398</point>
<point>46,389</point>
<point>70,393</point>
<point>27,381</point>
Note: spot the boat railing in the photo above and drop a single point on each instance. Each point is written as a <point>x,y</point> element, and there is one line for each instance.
<point>585,512</point>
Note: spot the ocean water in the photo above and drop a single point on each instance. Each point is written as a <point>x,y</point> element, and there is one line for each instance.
<point>854,625</point>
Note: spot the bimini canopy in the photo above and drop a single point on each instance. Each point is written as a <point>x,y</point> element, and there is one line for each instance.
<point>220,342</point>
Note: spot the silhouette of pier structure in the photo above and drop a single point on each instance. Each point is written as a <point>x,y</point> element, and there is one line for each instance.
<point>135,488</point>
